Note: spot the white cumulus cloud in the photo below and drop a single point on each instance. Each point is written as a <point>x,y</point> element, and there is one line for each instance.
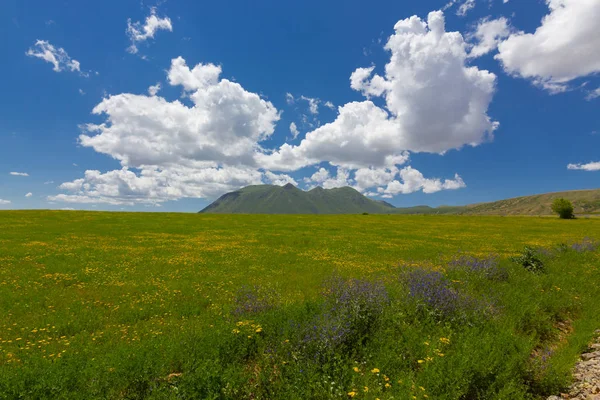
<point>325,180</point>
<point>58,57</point>
<point>434,102</point>
<point>412,181</point>
<point>564,47</point>
<point>19,174</point>
<point>138,32</point>
<point>169,150</point>
<point>279,179</point>
<point>592,166</point>
<point>29,194</point>
<point>154,89</point>
<point>487,36</point>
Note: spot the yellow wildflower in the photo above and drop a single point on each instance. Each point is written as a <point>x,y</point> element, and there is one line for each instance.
<point>387,385</point>
<point>258,330</point>
<point>366,388</point>
<point>421,361</point>
<point>356,369</point>
<point>352,394</point>
<point>375,370</point>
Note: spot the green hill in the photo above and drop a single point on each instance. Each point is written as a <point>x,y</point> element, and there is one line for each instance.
<point>288,199</point>
<point>271,199</point>
<point>584,202</point>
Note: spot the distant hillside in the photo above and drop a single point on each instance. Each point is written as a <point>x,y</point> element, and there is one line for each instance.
<point>271,199</point>
<point>584,202</point>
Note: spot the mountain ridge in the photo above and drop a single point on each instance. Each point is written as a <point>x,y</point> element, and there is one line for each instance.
<point>288,199</point>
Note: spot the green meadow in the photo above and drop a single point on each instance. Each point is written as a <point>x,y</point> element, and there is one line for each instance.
<point>98,305</point>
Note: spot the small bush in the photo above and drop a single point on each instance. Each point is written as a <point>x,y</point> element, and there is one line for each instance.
<point>563,208</point>
<point>529,260</point>
<point>351,310</point>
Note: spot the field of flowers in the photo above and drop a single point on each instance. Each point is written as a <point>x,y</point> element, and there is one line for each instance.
<point>182,306</point>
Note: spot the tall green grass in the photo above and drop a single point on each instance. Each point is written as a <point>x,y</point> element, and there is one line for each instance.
<point>148,306</point>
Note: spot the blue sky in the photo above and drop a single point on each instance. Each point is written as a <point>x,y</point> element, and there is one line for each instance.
<point>424,102</point>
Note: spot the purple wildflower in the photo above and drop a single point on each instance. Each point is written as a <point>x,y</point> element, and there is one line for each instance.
<point>587,244</point>
<point>253,300</point>
<point>432,289</point>
<point>488,266</point>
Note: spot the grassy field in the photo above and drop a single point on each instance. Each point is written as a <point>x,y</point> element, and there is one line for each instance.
<point>137,305</point>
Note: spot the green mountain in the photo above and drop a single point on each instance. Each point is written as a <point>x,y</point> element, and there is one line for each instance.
<point>270,199</point>
<point>288,199</point>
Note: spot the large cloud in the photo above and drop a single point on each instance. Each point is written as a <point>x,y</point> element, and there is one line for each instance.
<point>565,46</point>
<point>434,102</point>
<point>179,151</point>
<point>212,141</point>
<point>223,126</point>
<point>154,185</point>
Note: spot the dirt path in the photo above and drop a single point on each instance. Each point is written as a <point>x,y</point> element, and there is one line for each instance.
<point>586,375</point>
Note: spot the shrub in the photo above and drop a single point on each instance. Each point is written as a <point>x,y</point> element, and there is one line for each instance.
<point>351,310</point>
<point>529,260</point>
<point>563,208</point>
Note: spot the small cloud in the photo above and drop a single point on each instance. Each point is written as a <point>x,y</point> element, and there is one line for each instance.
<point>313,104</point>
<point>19,174</point>
<point>465,7</point>
<point>330,105</point>
<point>81,92</point>
<point>294,130</point>
<point>592,166</point>
<point>593,94</point>
<point>75,165</point>
<point>289,98</point>
<point>4,202</point>
<point>139,33</point>
<point>50,22</point>
<point>58,57</point>
<point>153,90</point>
<point>48,182</point>
<point>29,194</point>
